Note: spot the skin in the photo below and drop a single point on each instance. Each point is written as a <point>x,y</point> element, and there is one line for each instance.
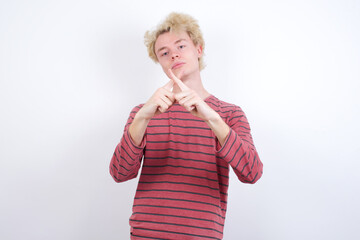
<point>178,57</point>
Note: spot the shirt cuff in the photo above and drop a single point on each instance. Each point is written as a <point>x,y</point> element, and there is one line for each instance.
<point>135,148</point>
<point>222,151</point>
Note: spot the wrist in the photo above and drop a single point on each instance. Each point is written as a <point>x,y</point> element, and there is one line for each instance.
<point>214,118</point>
<point>137,129</point>
<point>220,128</point>
<point>140,116</point>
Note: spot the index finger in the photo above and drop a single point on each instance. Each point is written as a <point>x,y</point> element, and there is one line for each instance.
<point>181,85</point>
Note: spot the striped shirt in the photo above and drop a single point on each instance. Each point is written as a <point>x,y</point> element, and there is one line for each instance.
<point>182,189</point>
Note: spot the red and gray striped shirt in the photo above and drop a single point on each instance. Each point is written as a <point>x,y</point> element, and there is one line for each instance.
<point>182,190</point>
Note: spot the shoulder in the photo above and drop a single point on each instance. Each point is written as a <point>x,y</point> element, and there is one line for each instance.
<point>135,109</point>
<point>225,109</point>
<point>222,106</point>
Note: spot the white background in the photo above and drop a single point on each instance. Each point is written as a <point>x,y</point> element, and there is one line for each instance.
<point>71,71</point>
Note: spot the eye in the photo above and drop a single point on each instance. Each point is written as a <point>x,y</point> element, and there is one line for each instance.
<point>181,46</point>
<point>164,53</point>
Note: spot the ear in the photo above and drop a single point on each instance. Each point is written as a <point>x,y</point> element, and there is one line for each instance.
<point>199,50</point>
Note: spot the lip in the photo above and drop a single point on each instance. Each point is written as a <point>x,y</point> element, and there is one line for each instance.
<point>177,65</point>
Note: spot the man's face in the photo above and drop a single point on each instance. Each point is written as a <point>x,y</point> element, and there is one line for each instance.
<point>176,51</point>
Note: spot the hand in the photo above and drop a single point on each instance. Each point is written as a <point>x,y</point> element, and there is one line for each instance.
<point>159,102</point>
<point>192,102</point>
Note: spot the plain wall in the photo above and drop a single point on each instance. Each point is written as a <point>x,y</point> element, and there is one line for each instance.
<point>71,71</point>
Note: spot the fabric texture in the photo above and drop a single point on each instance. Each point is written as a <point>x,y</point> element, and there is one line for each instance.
<point>182,189</point>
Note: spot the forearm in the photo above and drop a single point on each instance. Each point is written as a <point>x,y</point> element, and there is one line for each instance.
<point>242,156</point>
<point>239,150</point>
<point>137,128</point>
<point>127,156</point>
<point>220,128</point>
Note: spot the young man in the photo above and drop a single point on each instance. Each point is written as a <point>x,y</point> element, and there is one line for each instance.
<point>188,139</point>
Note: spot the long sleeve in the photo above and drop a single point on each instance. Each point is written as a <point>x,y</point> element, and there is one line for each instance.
<point>126,160</point>
<point>239,150</point>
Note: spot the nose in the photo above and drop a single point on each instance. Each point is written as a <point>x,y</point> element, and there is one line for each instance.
<point>175,55</point>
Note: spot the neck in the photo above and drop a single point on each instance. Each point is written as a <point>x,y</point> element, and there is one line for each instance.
<point>193,82</point>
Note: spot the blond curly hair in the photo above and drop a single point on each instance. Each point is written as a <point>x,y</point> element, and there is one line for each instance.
<point>175,22</point>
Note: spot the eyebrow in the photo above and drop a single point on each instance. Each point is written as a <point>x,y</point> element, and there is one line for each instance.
<point>177,41</point>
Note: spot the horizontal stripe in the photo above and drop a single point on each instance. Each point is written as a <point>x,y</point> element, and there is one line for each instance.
<point>248,142</point>
<point>177,150</point>
<point>179,134</point>
<point>179,174</point>
<point>179,208</point>
<point>119,180</point>
<point>224,176</point>
<point>224,167</point>
<point>223,184</point>
<point>178,126</point>
<point>179,183</point>
<point>245,128</point>
<point>121,174</point>
<point>186,143</point>
<point>118,169</point>
<point>238,130</point>
<point>226,106</point>
<point>174,166</point>
<point>195,235</point>
<point>188,159</point>
<point>185,159</point>
<point>176,191</point>
<point>138,236</point>
<point>180,200</point>
<point>181,119</point>
<point>239,116</point>
<point>176,224</point>
<point>186,112</point>
<point>177,216</point>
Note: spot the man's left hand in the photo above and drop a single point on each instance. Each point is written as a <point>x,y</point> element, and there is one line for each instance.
<point>192,102</point>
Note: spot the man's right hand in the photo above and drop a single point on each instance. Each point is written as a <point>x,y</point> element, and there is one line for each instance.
<point>159,102</point>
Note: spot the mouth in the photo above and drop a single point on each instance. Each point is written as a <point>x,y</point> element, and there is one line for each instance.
<point>177,65</point>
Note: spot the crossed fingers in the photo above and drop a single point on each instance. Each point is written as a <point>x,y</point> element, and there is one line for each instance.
<point>181,85</point>
<point>185,95</point>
